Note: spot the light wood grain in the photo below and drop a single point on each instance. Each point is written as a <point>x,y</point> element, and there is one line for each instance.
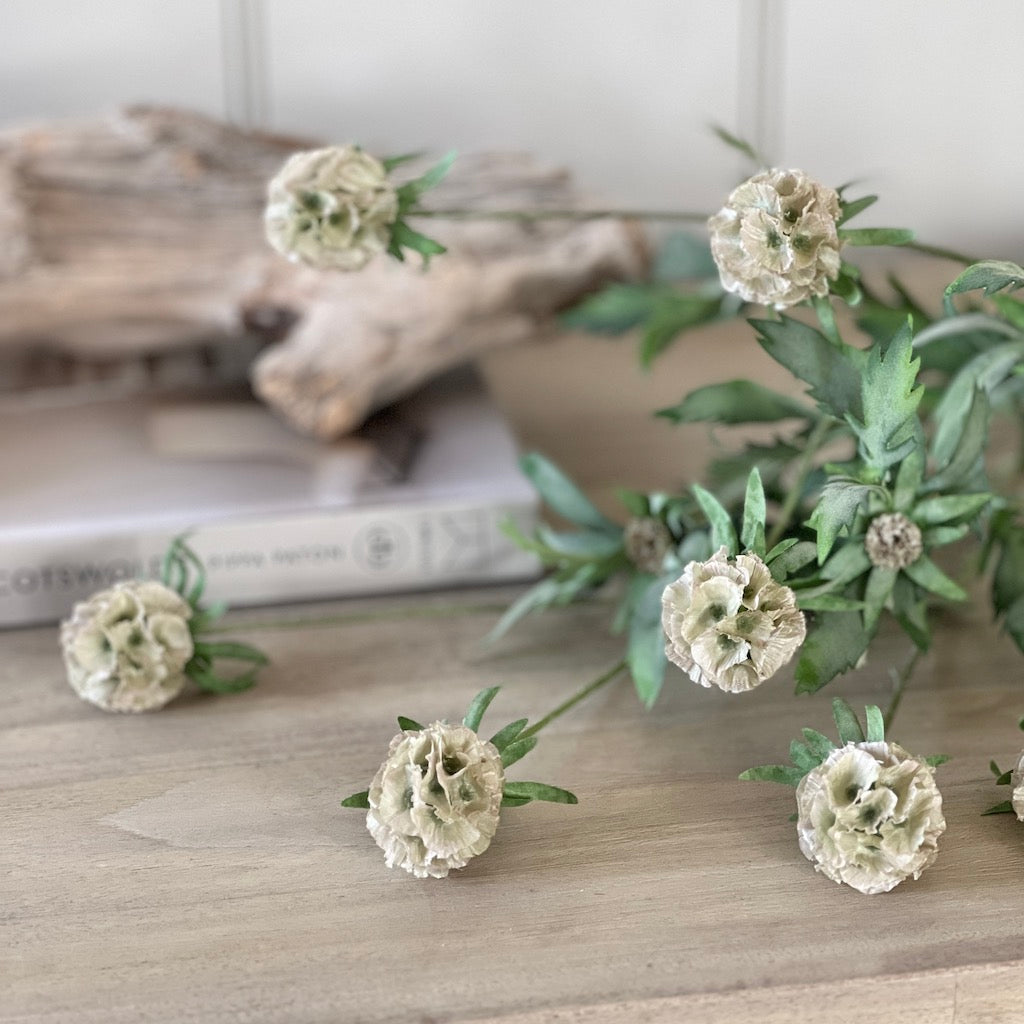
<point>195,866</point>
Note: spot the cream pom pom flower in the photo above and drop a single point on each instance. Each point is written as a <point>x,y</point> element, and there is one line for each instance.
<point>331,208</point>
<point>126,648</point>
<point>1017,791</point>
<point>870,815</point>
<point>776,240</point>
<point>436,799</point>
<point>729,624</point>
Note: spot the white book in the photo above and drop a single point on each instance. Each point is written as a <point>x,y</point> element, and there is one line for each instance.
<point>93,493</point>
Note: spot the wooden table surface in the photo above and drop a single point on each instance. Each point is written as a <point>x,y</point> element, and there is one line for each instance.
<point>194,865</point>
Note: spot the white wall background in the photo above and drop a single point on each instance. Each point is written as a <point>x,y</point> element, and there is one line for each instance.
<point>920,101</point>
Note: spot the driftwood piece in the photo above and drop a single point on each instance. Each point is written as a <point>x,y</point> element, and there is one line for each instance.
<point>139,233</point>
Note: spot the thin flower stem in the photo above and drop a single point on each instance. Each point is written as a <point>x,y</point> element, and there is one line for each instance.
<point>580,695</point>
<point>939,252</point>
<point>535,215</point>
<point>803,469</point>
<point>899,684</point>
<point>827,319</point>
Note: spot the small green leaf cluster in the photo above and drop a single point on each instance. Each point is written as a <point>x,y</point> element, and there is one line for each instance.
<point>404,237</point>
<point>808,753</point>
<point>512,741</point>
<point>183,571</point>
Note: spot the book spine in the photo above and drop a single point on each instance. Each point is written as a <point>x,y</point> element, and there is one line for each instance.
<point>280,559</point>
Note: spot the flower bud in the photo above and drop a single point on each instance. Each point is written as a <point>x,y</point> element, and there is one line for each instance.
<point>647,541</point>
<point>893,541</point>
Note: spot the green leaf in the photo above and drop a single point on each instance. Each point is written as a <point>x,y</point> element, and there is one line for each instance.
<point>562,494</point>
<point>937,536</point>
<point>549,592</point>
<point>404,237</point>
<point>723,534</point>
<point>391,162</point>
<point>832,371</point>
<point>838,505</point>
<point>481,702</point>
<point>990,276</point>
<point>876,236</point>
<point>792,559</point>
<point>614,310</point>
<point>874,731</point>
<point>412,191</point>
<point>645,653</point>
<point>588,545</point>
<point>754,512</point>
<point>684,257</point>
<point>847,722</point>
<point>889,399</point>
<point>968,454</point>
<point>635,502</point>
<point>735,401</point>
<point>517,750</point>
<point>1005,807</point>
<point>855,206</point>
<point>739,144</point>
<point>514,801</point>
<point>539,791</point>
<point>504,736</point>
<point>936,760</point>
<point>206,679</point>
<point>949,507</point>
<point>357,800</point>
<point>879,586</point>
<point>994,769</point>
<point>786,774</point>
<point>1004,778</point>
<point>819,743</point>
<point>230,649</point>
<point>911,613</point>
<point>1013,622</point>
<point>828,603</point>
<point>1008,581</point>
<point>908,480</point>
<point>801,755</point>
<point>926,574</point>
<point>409,724</point>
<point>834,644</point>
<point>671,318</point>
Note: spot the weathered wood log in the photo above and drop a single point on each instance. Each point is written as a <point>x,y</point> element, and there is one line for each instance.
<point>141,232</point>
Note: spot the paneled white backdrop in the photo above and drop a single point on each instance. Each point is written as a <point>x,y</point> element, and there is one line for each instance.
<point>920,101</point>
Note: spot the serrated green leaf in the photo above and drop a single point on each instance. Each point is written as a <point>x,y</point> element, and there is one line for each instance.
<point>1005,807</point>
<point>539,791</point>
<point>876,236</point>
<point>847,721</point>
<point>989,276</point>
<point>735,401</point>
<point>801,756</point>
<point>517,750</point>
<point>645,652</point>
<point>874,724</point>
<point>723,533</point>
<point>504,736</point>
<point>890,396</point>
<point>927,575</point>
<point>786,774</point>
<point>832,371</point>
<point>837,509</point>
<point>879,587</point>
<point>480,703</point>
<point>754,512</point>
<point>357,800</point>
<point>834,645</point>
<point>684,257</point>
<point>562,494</point>
<point>819,743</point>
<point>615,309</point>
<point>947,508</point>
<point>409,724</point>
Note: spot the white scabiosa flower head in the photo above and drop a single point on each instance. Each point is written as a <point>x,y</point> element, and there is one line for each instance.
<point>870,815</point>
<point>893,541</point>
<point>1017,790</point>
<point>729,624</point>
<point>126,648</point>
<point>776,240</point>
<point>436,799</point>
<point>331,208</point>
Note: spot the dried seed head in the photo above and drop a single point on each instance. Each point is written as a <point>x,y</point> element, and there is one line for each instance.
<point>647,541</point>
<point>893,541</point>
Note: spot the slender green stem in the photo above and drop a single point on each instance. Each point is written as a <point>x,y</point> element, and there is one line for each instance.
<point>574,699</point>
<point>535,215</point>
<point>939,252</point>
<point>899,684</point>
<point>803,469</point>
<point>827,318</point>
